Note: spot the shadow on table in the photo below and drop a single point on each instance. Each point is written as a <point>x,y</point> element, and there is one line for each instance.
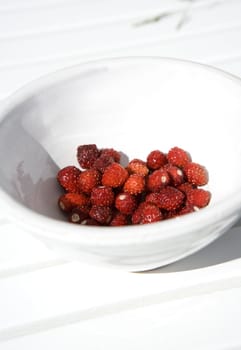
<point>225,248</point>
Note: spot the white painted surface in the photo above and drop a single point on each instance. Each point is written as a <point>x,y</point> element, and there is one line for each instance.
<point>195,303</point>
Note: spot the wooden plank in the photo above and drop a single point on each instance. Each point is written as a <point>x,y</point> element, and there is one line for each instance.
<point>79,15</point>
<point>64,294</point>
<point>221,44</point>
<point>21,253</point>
<point>201,321</point>
<point>91,40</point>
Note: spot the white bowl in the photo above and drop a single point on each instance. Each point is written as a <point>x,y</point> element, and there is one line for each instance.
<point>134,105</point>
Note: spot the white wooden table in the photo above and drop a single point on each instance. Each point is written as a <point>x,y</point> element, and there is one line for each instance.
<point>48,303</point>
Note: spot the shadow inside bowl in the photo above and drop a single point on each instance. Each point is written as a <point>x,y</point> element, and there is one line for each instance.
<point>29,173</point>
<point>224,249</point>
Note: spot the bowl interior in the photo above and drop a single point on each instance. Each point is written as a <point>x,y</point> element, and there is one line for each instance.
<point>132,105</point>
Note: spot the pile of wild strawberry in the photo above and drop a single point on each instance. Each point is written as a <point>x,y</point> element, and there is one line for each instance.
<point>103,192</point>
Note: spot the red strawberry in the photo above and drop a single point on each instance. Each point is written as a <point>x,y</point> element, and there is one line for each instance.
<point>114,175</point>
<point>196,174</point>
<point>170,198</point>
<point>68,201</point>
<point>157,179</point>
<point>125,203</point>
<point>101,214</point>
<point>90,222</point>
<point>87,154</point>
<point>156,159</point>
<point>152,198</point>
<point>171,214</point>
<point>102,195</point>
<point>137,166</point>
<point>136,216</point>
<point>150,213</point>
<point>146,213</point>
<point>102,162</point>
<point>119,219</point>
<point>68,178</point>
<point>111,153</point>
<point>77,215</point>
<point>176,174</point>
<point>198,197</point>
<point>89,179</point>
<point>177,156</point>
<point>106,193</point>
<point>185,187</point>
<point>135,184</point>
<point>188,208</point>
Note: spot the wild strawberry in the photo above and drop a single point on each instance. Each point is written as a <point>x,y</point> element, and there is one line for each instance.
<point>68,178</point>
<point>90,222</point>
<point>77,215</point>
<point>137,166</point>
<point>89,179</point>
<point>170,198</point>
<point>114,175</point>
<point>111,153</point>
<point>157,179</point>
<point>86,155</point>
<point>146,213</point>
<point>196,174</point>
<point>177,156</point>
<point>119,219</point>
<point>150,213</point>
<point>153,198</point>
<point>106,193</point>
<point>68,201</point>
<point>135,184</point>
<point>101,214</point>
<point>136,216</point>
<point>102,162</point>
<point>156,159</point>
<point>102,195</point>
<point>198,197</point>
<point>186,209</point>
<point>171,214</point>
<point>185,187</point>
<point>176,174</point>
<point>126,203</point>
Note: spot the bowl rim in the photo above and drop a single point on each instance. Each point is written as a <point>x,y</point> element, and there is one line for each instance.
<point>51,228</point>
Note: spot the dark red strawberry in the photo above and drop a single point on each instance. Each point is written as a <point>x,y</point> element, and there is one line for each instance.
<point>186,209</point>
<point>86,155</point>
<point>77,215</point>
<point>102,162</point>
<point>111,153</point>
<point>90,222</point>
<point>101,214</point>
<point>119,219</point>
